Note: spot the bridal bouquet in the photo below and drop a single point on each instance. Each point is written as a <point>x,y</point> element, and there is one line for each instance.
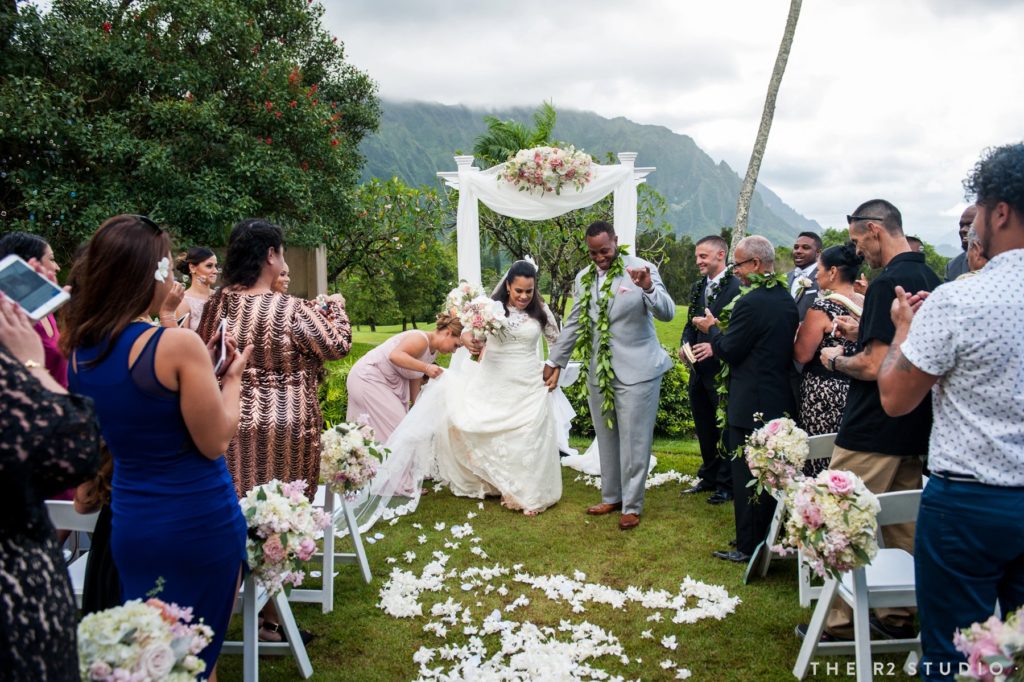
<point>283,526</point>
<point>994,649</point>
<point>461,295</point>
<point>547,169</point>
<point>775,454</point>
<point>142,640</point>
<point>482,316</point>
<point>832,520</point>
<point>349,457</point>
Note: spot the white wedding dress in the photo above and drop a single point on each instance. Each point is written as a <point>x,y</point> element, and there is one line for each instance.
<point>482,428</point>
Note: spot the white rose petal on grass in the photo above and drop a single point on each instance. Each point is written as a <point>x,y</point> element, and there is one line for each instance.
<point>418,526</point>
<point>470,515</point>
<point>669,642</point>
<point>378,536</point>
<point>422,539</point>
<point>423,656</point>
<point>654,617</point>
<point>666,664</point>
<point>647,634</point>
<point>683,673</point>
<point>392,522</point>
<point>370,541</point>
<point>479,505</point>
<point>439,525</point>
<point>579,575</point>
<point>409,557</point>
<point>391,560</point>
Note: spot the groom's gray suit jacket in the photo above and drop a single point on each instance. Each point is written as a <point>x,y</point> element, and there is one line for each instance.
<point>638,361</point>
<point>637,354</point>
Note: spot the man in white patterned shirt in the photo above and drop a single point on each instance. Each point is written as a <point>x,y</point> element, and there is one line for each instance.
<point>965,344</point>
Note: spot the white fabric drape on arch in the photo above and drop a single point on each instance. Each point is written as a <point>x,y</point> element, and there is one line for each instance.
<point>477,185</point>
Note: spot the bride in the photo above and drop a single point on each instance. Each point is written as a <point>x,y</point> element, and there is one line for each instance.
<point>484,428</point>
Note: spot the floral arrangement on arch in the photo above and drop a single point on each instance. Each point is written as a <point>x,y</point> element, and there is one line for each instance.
<point>283,529</point>
<point>775,454</point>
<point>547,169</point>
<point>349,457</point>
<point>994,649</point>
<point>142,640</point>
<point>832,520</point>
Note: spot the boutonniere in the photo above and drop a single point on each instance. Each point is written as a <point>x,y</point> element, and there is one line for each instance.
<point>803,284</point>
<point>623,289</point>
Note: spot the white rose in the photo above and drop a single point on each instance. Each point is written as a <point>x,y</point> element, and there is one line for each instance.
<point>157,661</point>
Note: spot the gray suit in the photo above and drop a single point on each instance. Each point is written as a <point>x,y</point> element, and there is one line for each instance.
<point>804,301</point>
<point>639,362</point>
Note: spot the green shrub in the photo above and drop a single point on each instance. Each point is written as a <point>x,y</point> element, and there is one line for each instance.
<point>675,419</point>
<point>332,392</point>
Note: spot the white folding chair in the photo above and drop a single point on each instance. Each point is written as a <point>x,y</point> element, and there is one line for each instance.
<point>886,582</point>
<point>64,517</point>
<point>337,509</point>
<point>251,599</point>
<point>818,448</point>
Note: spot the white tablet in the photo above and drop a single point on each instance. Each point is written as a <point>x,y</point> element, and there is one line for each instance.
<point>37,295</point>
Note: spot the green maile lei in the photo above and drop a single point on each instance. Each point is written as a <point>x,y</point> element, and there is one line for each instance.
<point>697,292</point>
<point>585,340</point>
<point>757,281</point>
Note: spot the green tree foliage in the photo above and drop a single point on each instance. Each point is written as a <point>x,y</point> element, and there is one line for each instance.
<point>504,138</point>
<point>936,261</point>
<point>196,112</point>
<point>675,260</point>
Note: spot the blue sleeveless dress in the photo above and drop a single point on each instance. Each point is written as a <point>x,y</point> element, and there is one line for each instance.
<point>175,513</point>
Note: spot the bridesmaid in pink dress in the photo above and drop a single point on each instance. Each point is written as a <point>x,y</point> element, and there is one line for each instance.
<point>384,381</point>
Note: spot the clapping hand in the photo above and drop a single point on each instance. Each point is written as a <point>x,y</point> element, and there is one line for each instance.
<point>705,322</point>
<point>860,285</point>
<point>641,277</point>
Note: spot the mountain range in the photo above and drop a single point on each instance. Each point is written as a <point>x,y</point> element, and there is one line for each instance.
<point>417,139</point>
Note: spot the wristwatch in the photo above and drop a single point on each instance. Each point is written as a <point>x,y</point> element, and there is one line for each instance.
<point>832,363</point>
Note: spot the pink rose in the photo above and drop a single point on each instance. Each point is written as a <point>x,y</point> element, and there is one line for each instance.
<point>157,661</point>
<point>273,550</point>
<point>773,427</point>
<point>840,482</point>
<point>100,670</point>
<point>306,549</point>
<point>811,515</point>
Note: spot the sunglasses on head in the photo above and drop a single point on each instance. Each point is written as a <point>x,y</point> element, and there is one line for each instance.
<point>146,220</point>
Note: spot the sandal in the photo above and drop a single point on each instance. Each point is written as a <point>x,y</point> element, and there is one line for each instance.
<point>278,631</point>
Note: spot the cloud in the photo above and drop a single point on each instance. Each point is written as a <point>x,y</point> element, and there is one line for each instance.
<point>879,98</point>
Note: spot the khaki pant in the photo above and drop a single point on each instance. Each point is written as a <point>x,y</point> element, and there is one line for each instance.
<point>881,474</point>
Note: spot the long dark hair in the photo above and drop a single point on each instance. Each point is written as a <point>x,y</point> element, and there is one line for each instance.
<point>523,268</point>
<point>194,256</point>
<point>121,258</point>
<point>24,245</point>
<point>247,251</point>
<point>845,259</point>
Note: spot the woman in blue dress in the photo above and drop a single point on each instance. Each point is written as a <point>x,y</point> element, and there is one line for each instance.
<point>177,527</point>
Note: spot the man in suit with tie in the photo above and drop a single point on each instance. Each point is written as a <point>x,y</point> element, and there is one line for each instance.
<point>802,280</point>
<point>758,346</point>
<point>712,292</point>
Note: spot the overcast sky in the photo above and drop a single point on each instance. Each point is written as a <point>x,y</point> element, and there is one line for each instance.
<point>881,98</point>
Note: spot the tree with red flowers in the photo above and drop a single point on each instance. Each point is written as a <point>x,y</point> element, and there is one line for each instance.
<point>195,112</point>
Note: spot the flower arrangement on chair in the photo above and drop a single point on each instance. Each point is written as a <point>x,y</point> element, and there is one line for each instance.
<point>547,169</point>
<point>349,457</point>
<point>994,649</point>
<point>142,640</point>
<point>775,454</point>
<point>283,526</point>
<point>832,520</point>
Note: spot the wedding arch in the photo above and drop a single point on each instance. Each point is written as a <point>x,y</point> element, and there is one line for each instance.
<point>475,185</point>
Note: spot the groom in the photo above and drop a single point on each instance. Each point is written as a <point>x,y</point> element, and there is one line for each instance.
<point>637,360</point>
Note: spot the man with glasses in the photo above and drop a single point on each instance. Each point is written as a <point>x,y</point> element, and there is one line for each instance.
<point>886,452</point>
<point>758,346</point>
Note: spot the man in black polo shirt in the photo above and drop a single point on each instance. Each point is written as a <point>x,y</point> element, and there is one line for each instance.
<point>886,452</point>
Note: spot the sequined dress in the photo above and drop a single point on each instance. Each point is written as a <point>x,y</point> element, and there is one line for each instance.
<point>280,420</point>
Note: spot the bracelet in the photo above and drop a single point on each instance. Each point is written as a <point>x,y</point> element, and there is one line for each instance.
<point>832,363</point>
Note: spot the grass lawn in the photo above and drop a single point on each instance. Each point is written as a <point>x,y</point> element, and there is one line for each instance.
<point>359,641</point>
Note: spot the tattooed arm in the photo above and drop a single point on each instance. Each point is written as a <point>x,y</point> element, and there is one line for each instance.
<point>901,385</point>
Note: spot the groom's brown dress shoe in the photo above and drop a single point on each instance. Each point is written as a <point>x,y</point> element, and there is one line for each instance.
<point>604,508</point>
<point>627,521</point>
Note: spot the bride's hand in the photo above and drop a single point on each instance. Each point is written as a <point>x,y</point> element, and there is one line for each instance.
<point>472,344</point>
<point>551,378</point>
<point>433,371</point>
